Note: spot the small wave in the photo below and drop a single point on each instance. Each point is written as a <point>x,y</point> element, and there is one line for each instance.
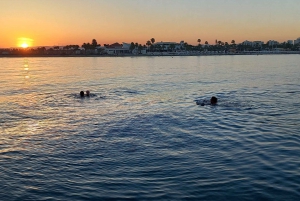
<point>126,91</point>
<point>292,92</point>
<point>100,98</point>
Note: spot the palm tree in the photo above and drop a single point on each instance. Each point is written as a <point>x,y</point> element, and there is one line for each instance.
<point>233,43</point>
<point>148,43</point>
<point>152,40</point>
<point>199,40</point>
<point>94,43</point>
<point>206,45</point>
<point>140,47</point>
<point>132,46</point>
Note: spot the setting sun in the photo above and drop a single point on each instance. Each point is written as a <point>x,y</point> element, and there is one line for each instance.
<point>24,45</point>
<point>25,42</point>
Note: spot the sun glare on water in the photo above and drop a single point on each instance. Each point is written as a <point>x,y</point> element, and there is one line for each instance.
<point>25,42</point>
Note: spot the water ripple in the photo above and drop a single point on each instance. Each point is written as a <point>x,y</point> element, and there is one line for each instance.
<point>142,137</point>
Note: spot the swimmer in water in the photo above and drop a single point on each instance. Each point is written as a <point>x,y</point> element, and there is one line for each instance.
<point>81,94</point>
<point>87,93</point>
<point>213,101</point>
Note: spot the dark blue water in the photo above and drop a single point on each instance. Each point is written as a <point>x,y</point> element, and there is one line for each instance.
<point>141,136</point>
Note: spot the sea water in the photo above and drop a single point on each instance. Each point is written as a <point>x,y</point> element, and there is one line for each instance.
<point>141,136</point>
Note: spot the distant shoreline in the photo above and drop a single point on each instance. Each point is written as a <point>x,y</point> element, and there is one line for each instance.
<point>154,55</point>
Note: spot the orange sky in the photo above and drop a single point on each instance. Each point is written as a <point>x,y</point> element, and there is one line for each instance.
<point>65,22</point>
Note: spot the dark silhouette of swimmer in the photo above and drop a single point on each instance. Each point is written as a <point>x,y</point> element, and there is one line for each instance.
<point>213,100</point>
<point>87,93</point>
<point>81,94</point>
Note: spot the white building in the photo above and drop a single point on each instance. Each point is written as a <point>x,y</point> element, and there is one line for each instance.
<point>290,42</point>
<point>167,45</point>
<point>117,48</point>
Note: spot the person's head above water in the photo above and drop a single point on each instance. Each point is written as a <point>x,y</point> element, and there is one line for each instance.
<point>81,94</point>
<point>87,93</point>
<point>213,100</point>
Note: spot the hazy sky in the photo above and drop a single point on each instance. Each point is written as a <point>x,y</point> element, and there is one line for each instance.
<point>63,22</point>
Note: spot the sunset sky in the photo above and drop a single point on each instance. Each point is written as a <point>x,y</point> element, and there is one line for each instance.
<point>64,22</point>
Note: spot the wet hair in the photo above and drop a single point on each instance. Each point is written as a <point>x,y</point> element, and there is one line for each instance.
<point>213,100</point>
<point>87,93</point>
<point>81,94</point>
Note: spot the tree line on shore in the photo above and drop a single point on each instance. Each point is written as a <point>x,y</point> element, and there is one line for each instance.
<point>151,46</point>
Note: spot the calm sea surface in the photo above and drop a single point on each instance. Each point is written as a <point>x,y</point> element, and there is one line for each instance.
<point>141,136</point>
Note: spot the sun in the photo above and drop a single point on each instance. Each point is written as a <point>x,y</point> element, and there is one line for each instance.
<point>25,42</point>
<point>24,45</point>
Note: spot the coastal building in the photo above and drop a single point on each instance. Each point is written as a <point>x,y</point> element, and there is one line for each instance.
<point>253,43</point>
<point>232,50</point>
<point>257,43</point>
<point>170,45</point>
<point>272,43</point>
<point>99,50</point>
<point>297,41</point>
<point>4,51</point>
<point>247,43</point>
<point>116,49</point>
<point>291,42</point>
<point>137,51</point>
<point>279,49</point>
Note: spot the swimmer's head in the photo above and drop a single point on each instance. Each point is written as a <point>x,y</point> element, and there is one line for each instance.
<point>213,100</point>
<point>87,93</point>
<point>81,94</point>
